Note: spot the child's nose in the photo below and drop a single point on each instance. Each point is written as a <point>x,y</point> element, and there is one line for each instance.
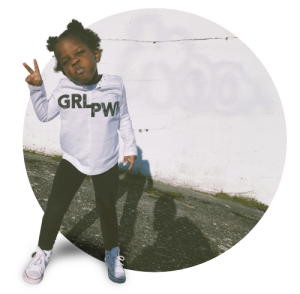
<point>75,61</point>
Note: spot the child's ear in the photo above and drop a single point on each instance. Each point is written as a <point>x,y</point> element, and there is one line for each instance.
<point>98,54</point>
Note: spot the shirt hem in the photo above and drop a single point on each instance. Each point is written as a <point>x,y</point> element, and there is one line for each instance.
<point>79,167</point>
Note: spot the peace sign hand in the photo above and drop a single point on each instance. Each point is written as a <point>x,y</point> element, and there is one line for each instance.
<point>34,78</point>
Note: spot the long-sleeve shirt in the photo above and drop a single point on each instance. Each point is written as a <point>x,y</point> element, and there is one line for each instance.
<point>90,119</point>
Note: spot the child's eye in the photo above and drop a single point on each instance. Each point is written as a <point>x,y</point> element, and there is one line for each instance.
<point>79,53</point>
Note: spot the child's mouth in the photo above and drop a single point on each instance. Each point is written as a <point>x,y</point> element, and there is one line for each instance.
<point>79,70</point>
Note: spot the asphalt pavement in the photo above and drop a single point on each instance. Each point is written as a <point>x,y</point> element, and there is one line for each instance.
<point>158,230</point>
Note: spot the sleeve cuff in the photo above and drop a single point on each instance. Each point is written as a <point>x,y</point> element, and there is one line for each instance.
<point>131,151</point>
<point>35,88</point>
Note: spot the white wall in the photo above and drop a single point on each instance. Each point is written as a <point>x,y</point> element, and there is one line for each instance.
<point>213,114</point>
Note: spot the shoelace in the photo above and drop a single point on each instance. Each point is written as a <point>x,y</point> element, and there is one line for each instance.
<point>118,259</point>
<point>38,261</point>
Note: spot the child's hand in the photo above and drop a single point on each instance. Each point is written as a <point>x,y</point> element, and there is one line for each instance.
<point>130,159</point>
<point>35,78</point>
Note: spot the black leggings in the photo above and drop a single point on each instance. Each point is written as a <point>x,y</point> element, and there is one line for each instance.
<point>67,181</point>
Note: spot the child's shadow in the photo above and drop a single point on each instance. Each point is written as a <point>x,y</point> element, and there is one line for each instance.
<point>179,243</point>
<point>134,189</point>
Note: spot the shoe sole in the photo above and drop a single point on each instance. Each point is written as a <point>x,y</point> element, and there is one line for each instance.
<point>114,279</point>
<point>30,280</point>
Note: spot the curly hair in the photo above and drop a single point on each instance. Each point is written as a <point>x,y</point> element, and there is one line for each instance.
<point>74,28</point>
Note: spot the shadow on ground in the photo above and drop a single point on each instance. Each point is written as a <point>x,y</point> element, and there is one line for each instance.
<point>158,231</point>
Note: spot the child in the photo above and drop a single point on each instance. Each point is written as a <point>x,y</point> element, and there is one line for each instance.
<point>92,108</point>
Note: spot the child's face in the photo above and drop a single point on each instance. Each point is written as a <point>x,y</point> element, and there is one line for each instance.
<point>78,62</point>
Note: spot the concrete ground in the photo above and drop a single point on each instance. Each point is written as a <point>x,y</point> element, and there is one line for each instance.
<point>157,231</point>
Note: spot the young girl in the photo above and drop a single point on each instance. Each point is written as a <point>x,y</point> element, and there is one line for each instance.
<point>92,108</point>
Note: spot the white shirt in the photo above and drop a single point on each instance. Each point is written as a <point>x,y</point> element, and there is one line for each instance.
<point>90,117</point>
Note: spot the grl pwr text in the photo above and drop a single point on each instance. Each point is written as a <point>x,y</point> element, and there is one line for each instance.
<point>65,102</point>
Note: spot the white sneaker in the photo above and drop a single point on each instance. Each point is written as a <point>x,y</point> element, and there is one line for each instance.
<point>112,259</point>
<point>34,272</point>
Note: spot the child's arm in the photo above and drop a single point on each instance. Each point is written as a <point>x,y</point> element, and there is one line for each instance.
<point>45,109</point>
<point>126,131</point>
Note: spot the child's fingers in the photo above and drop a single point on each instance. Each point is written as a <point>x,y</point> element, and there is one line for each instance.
<point>36,67</point>
<point>28,79</point>
<point>28,68</point>
<point>131,165</point>
<point>131,159</point>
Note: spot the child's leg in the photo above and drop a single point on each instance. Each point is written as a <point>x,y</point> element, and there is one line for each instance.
<point>67,181</point>
<point>106,191</point>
